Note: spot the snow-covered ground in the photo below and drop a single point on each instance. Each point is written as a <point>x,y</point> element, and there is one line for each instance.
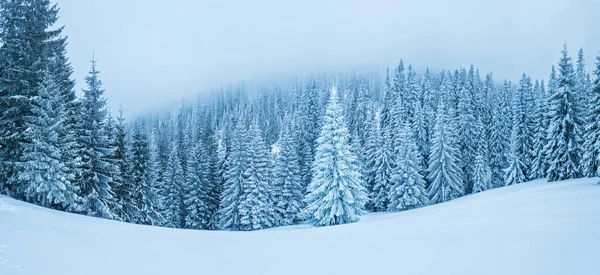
<point>532,228</point>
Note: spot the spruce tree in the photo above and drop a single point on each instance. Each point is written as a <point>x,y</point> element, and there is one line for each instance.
<point>123,192</point>
<point>44,177</point>
<point>336,194</point>
<point>444,174</point>
<point>408,191</point>
<point>236,164</point>
<point>591,157</point>
<point>482,173</point>
<point>144,195</point>
<point>174,180</point>
<point>538,165</point>
<point>26,38</point>
<point>256,207</point>
<point>198,213</point>
<point>95,180</point>
<point>288,182</point>
<point>564,132</point>
<point>515,173</point>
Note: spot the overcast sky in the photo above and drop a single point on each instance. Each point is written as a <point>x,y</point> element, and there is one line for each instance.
<point>152,53</point>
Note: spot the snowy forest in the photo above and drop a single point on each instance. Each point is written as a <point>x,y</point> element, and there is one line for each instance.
<point>323,150</point>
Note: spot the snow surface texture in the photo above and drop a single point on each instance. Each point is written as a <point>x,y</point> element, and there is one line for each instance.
<point>530,228</point>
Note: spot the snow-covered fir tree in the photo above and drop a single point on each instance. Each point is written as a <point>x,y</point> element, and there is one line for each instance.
<point>337,193</point>
<point>444,174</point>
<point>288,182</point>
<point>95,181</point>
<point>44,177</point>
<point>482,174</point>
<point>408,191</point>
<point>144,194</point>
<point>256,206</point>
<point>198,214</point>
<point>591,156</point>
<point>538,165</point>
<point>26,37</point>
<point>174,181</point>
<point>236,163</point>
<point>564,132</point>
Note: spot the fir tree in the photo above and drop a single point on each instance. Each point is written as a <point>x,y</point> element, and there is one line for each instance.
<point>288,182</point>
<point>44,177</point>
<point>198,213</point>
<point>591,157</point>
<point>26,39</point>
<point>123,192</point>
<point>408,191</point>
<point>336,194</point>
<point>515,173</point>
<point>174,181</point>
<point>95,180</point>
<point>443,171</point>
<point>564,132</point>
<point>538,165</point>
<point>256,207</point>
<point>236,163</point>
<point>144,195</point>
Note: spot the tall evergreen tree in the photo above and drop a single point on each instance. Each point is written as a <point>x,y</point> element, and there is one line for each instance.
<point>123,192</point>
<point>25,42</point>
<point>538,165</point>
<point>443,171</point>
<point>236,163</point>
<point>408,191</point>
<point>256,207</point>
<point>95,180</point>
<point>44,177</point>
<point>336,194</point>
<point>288,183</point>
<point>198,214</point>
<point>174,181</point>
<point>564,132</point>
<point>591,157</point>
<point>145,194</point>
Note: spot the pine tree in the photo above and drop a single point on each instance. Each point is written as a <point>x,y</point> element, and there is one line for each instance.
<point>443,171</point>
<point>44,177</point>
<point>538,165</point>
<point>198,213</point>
<point>497,147</point>
<point>336,194</point>
<point>236,163</point>
<point>25,38</point>
<point>583,85</point>
<point>309,125</point>
<point>288,182</point>
<point>466,136</point>
<point>95,180</point>
<point>564,132</point>
<point>256,207</point>
<point>408,191</point>
<point>174,180</point>
<point>144,196</point>
<point>123,192</point>
<point>482,173</point>
<point>591,157</point>
<point>515,173</point>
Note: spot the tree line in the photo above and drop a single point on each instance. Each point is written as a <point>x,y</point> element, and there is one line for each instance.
<point>323,150</point>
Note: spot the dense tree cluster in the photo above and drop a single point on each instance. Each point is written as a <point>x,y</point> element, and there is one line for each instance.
<point>323,150</point>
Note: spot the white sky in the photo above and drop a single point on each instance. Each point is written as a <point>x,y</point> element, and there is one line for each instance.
<point>152,53</point>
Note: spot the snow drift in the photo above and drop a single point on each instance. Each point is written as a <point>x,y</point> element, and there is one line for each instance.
<point>531,228</point>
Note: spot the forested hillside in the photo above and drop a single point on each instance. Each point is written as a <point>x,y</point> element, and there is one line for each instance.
<point>323,150</point>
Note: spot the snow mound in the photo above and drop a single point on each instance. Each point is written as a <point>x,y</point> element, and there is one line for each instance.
<point>531,228</point>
